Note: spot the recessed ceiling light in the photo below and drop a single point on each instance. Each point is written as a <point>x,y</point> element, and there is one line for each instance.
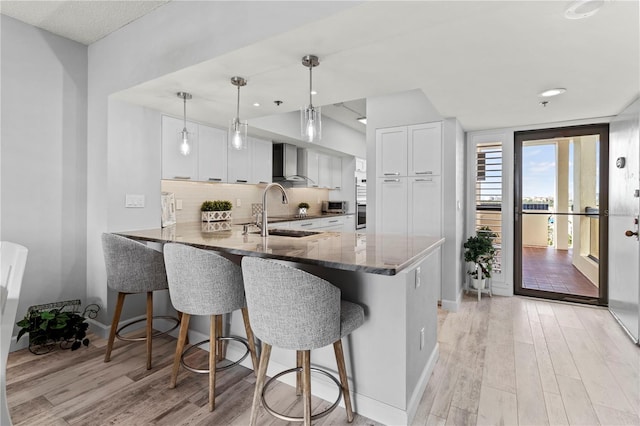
<point>363,120</point>
<point>553,92</point>
<point>313,92</point>
<point>580,9</point>
<point>256,104</point>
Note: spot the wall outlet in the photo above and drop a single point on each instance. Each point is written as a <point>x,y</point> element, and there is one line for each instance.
<point>421,338</point>
<point>178,204</point>
<point>134,201</point>
<point>418,277</point>
<point>238,202</point>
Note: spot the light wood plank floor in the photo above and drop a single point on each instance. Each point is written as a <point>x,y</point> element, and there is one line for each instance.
<point>502,361</point>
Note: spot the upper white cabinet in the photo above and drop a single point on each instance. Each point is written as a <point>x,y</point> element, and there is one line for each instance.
<point>174,164</point>
<point>324,170</point>
<point>391,151</point>
<point>212,154</point>
<point>425,149</point>
<point>336,172</point>
<point>361,165</point>
<point>261,158</point>
<point>251,165</point>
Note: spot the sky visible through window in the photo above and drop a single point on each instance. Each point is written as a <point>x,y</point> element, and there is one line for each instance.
<point>539,171</point>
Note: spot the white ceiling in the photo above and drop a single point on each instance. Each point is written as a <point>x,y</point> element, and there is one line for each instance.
<point>84,21</point>
<point>480,61</point>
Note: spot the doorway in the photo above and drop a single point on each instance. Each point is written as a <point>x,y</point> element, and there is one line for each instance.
<point>561,193</point>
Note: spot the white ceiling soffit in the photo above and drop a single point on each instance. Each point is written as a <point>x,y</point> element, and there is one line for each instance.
<point>84,21</point>
<point>482,62</point>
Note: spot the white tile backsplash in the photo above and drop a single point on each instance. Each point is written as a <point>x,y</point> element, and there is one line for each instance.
<point>192,194</point>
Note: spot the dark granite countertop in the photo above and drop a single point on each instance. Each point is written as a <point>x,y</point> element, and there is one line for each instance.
<point>351,251</point>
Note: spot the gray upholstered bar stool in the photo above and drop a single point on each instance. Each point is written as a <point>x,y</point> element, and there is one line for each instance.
<point>292,309</point>
<point>132,267</point>
<point>202,282</point>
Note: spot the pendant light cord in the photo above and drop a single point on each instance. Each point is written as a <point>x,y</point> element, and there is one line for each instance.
<point>184,116</point>
<point>310,85</point>
<point>238,106</point>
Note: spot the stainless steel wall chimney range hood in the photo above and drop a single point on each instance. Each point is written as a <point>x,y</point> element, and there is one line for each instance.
<point>285,163</point>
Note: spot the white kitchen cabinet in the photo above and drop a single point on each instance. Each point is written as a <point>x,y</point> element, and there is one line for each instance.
<point>391,152</point>
<point>361,165</point>
<point>239,165</point>
<point>212,154</point>
<point>261,157</point>
<point>349,224</point>
<point>308,166</point>
<point>425,149</point>
<point>391,206</point>
<point>174,164</point>
<point>336,172</point>
<point>424,210</point>
<point>324,171</point>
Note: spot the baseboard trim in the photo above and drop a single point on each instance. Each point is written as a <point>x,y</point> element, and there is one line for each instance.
<point>452,305</point>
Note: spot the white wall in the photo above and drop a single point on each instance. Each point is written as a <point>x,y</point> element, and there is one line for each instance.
<point>453,202</point>
<point>43,160</point>
<point>152,46</point>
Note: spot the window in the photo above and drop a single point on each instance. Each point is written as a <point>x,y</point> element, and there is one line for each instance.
<point>488,194</point>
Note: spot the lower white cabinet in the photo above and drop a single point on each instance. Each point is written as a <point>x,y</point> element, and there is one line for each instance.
<point>342,223</point>
<point>392,206</point>
<point>424,210</point>
<point>410,206</point>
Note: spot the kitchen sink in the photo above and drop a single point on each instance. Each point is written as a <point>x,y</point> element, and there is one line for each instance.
<point>296,233</point>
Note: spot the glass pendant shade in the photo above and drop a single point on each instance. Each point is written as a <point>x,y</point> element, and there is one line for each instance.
<point>311,124</point>
<point>185,139</point>
<point>238,129</point>
<point>238,134</point>
<point>310,117</point>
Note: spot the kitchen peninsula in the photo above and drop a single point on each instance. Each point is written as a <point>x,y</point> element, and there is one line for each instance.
<point>396,280</point>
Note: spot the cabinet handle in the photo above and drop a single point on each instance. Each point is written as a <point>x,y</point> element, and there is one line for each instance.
<point>333,221</point>
<point>392,180</point>
<point>314,186</point>
<point>392,174</point>
<point>241,181</point>
<point>306,224</point>
<point>263,182</point>
<point>424,180</point>
<point>215,179</point>
<point>182,177</point>
<point>425,173</point>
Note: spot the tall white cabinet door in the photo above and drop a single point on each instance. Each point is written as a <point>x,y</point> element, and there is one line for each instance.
<point>425,206</point>
<point>239,165</point>
<point>391,206</point>
<point>174,164</point>
<point>391,151</point>
<point>324,171</point>
<point>425,149</point>
<point>262,161</point>
<point>336,172</point>
<point>212,155</point>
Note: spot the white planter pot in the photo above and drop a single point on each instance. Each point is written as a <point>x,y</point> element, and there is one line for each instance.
<point>478,284</point>
<point>216,216</point>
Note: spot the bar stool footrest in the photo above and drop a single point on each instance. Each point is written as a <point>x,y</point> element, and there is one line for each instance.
<point>156,334</point>
<point>300,419</point>
<point>224,367</point>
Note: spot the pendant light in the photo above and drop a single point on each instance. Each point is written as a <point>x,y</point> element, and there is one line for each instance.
<point>310,117</point>
<point>238,129</point>
<point>184,137</point>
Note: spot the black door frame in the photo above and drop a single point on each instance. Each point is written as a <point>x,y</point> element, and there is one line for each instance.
<point>601,129</point>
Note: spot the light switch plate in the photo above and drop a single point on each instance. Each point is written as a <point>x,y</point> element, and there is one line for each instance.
<point>135,201</point>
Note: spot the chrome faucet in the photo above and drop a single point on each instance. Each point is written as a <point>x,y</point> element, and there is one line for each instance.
<point>285,200</point>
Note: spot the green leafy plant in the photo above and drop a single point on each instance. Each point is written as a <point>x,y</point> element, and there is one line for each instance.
<point>48,327</point>
<point>216,206</point>
<point>479,249</point>
<point>303,205</point>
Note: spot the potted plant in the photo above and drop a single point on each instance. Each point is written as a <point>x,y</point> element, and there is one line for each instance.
<point>480,251</point>
<point>48,327</point>
<point>213,211</point>
<point>302,209</point>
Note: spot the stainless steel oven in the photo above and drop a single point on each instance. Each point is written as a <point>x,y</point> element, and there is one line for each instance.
<point>361,216</point>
